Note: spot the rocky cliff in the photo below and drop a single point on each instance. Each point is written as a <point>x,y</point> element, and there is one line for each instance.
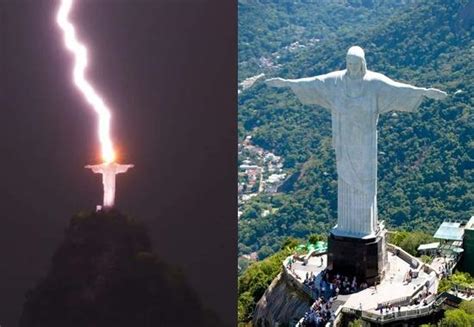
<point>283,303</point>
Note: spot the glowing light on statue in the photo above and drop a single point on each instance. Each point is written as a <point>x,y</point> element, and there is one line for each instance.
<point>108,171</point>
<point>109,168</point>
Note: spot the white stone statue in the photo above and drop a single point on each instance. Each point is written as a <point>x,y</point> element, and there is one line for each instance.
<point>108,171</point>
<point>356,96</point>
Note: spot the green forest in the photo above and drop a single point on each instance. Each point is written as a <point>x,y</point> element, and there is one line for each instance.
<point>426,159</point>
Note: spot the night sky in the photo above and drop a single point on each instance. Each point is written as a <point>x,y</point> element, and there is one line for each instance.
<point>167,69</point>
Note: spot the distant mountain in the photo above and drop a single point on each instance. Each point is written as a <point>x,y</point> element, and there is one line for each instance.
<point>426,159</point>
<point>105,274</point>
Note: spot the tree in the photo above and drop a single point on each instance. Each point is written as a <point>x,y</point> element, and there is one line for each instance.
<point>255,280</point>
<point>463,279</point>
<point>356,323</point>
<point>467,306</point>
<point>410,241</point>
<point>314,238</point>
<point>457,318</point>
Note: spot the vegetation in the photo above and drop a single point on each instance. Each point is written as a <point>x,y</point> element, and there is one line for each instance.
<point>258,276</point>
<point>255,280</point>
<point>268,29</point>
<point>461,317</point>
<point>356,323</point>
<point>426,159</point>
<point>459,279</point>
<point>426,259</point>
<point>410,241</point>
<point>464,316</point>
<point>457,318</point>
<point>467,306</point>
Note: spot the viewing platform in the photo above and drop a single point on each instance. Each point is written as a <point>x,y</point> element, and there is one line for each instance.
<point>407,291</point>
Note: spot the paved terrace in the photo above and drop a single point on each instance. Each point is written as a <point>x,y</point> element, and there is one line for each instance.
<point>394,289</point>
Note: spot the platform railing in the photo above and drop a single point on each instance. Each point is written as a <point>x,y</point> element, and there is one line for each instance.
<point>395,315</point>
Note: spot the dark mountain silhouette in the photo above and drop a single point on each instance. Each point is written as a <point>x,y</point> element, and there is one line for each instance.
<point>105,274</point>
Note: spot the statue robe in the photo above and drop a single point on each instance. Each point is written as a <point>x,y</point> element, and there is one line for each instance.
<point>355,105</point>
<point>108,171</point>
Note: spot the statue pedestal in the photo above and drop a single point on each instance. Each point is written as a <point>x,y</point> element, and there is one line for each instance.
<point>364,258</point>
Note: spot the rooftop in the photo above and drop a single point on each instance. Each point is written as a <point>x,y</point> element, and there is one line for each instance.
<point>428,246</point>
<point>451,231</point>
<point>470,223</point>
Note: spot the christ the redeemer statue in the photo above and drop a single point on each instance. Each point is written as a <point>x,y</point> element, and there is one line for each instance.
<point>108,171</point>
<point>356,97</point>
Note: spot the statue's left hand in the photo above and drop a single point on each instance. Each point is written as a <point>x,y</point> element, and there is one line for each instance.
<point>435,94</point>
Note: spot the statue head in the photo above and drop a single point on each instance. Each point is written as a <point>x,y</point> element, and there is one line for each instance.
<point>355,61</point>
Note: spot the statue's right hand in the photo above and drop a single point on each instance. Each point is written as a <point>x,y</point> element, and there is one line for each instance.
<point>435,94</point>
<point>276,82</point>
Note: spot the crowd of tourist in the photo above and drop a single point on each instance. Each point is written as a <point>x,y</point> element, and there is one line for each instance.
<point>445,268</point>
<point>325,292</point>
<point>319,314</point>
<point>423,299</point>
<point>333,285</point>
<point>387,308</point>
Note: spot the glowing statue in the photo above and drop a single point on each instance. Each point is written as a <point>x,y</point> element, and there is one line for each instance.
<point>108,171</point>
<point>356,97</point>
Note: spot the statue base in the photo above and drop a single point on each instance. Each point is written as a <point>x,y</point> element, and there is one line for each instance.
<point>364,258</point>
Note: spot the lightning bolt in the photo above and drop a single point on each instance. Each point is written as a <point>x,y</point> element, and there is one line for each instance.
<point>80,63</point>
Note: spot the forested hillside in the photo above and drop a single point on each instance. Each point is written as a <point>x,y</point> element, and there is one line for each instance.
<point>274,29</point>
<point>426,158</point>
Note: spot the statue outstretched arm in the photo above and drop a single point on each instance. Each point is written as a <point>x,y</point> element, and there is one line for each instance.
<point>122,168</point>
<point>431,93</point>
<point>97,169</point>
<point>397,96</point>
<point>309,90</point>
<point>277,82</point>
<point>282,82</point>
<point>435,94</point>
